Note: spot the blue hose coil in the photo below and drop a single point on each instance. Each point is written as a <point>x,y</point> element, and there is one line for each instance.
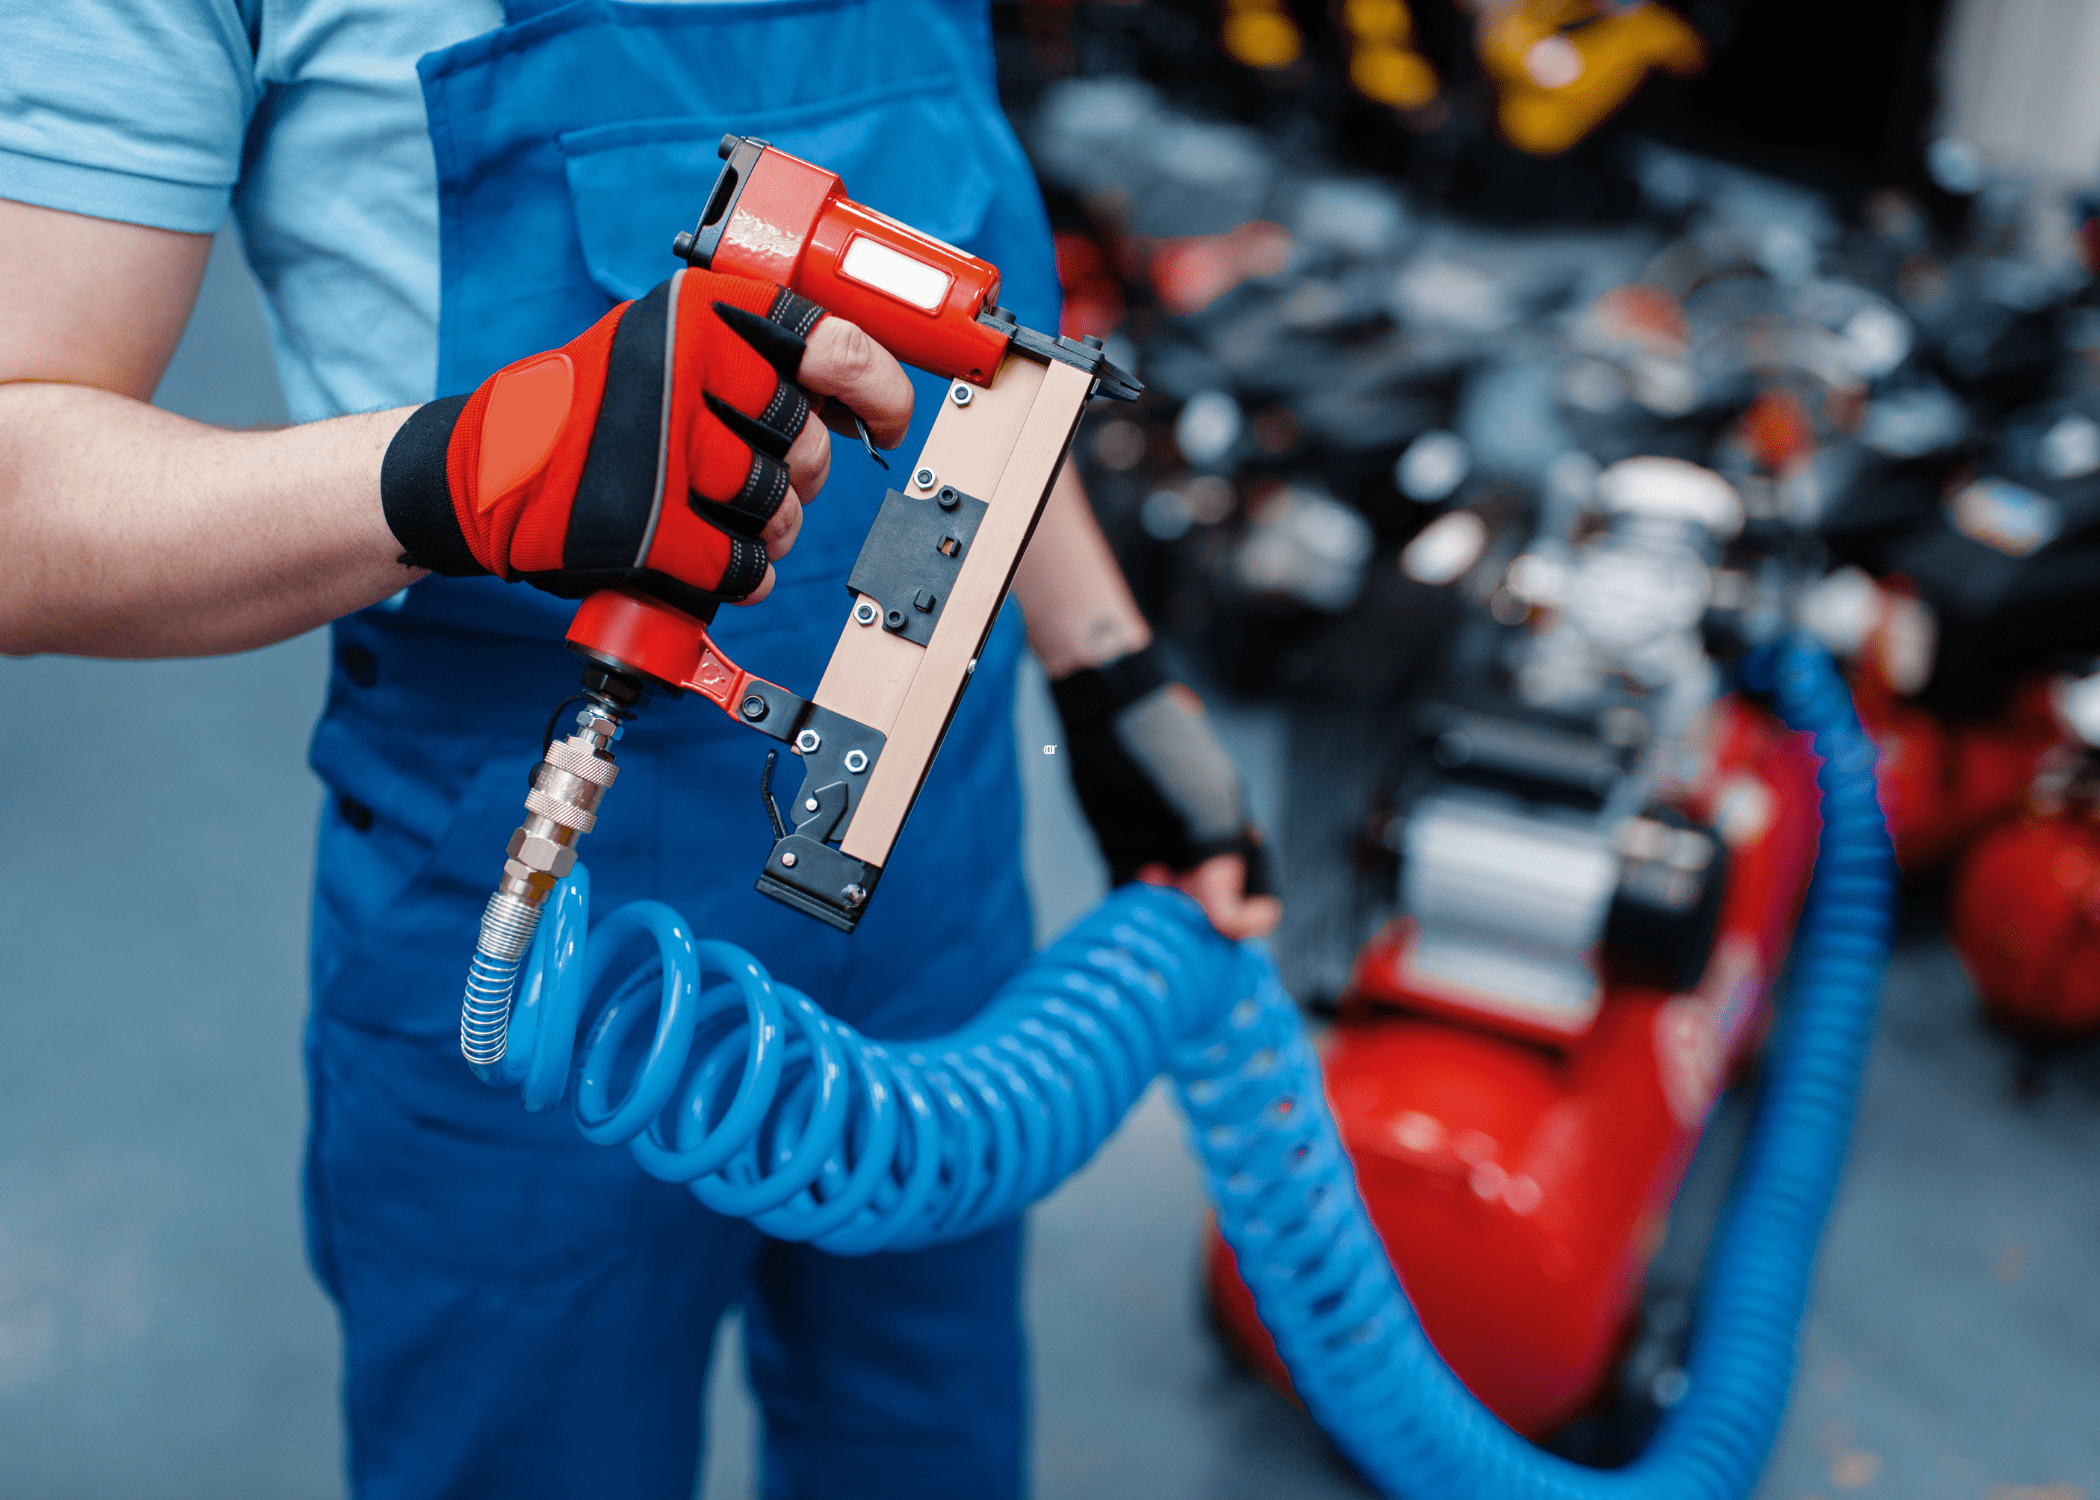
<point>771,1110</point>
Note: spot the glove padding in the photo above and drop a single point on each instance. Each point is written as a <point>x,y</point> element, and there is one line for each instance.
<point>649,453</point>
<point>1151,776</point>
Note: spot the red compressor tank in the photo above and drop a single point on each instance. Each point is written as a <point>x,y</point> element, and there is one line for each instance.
<point>1941,784</point>
<point>2027,895</point>
<point>2027,923</point>
<point>1522,1184</point>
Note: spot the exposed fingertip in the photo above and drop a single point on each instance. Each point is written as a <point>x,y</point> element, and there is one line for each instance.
<point>757,595</point>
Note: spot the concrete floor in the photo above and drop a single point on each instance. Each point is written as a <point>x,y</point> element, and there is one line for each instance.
<point>160,1334</point>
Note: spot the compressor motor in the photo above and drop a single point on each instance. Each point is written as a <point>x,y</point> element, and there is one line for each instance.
<point>1547,825</point>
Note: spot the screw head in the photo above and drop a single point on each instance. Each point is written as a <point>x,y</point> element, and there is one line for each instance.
<point>808,741</point>
<point>924,478</point>
<point>753,708</point>
<point>959,394</point>
<point>787,860</point>
<point>809,805</point>
<point>853,896</point>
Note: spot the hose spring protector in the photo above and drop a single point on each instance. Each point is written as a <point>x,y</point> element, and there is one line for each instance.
<point>770,1110</point>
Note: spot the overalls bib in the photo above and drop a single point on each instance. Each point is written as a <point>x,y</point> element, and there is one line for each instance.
<point>526,1314</point>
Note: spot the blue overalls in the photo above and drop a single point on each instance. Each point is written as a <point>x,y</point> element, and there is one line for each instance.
<point>525,1314</point>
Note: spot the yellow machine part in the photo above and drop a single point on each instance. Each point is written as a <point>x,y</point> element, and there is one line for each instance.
<point>1562,65</point>
<point>1261,34</point>
<point>1383,63</point>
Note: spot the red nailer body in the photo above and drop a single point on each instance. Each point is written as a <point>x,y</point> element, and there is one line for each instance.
<point>930,547</point>
<point>775,217</point>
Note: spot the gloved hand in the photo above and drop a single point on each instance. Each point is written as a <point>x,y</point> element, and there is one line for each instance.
<point>1164,798</point>
<point>667,449</point>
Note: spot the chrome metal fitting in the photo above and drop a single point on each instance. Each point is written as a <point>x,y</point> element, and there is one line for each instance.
<point>555,810</point>
<point>507,927</point>
<point>541,854</point>
<point>566,755</point>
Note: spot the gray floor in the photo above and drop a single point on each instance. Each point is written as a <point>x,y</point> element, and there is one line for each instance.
<point>160,1335</point>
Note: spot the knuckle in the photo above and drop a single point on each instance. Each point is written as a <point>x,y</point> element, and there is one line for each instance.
<point>852,352</point>
<point>811,446</point>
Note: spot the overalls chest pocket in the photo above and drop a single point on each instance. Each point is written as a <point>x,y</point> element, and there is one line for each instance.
<point>907,149</point>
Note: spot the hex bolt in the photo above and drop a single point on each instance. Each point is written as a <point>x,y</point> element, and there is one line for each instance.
<point>753,708</point>
<point>959,394</point>
<point>787,860</point>
<point>925,478</point>
<point>808,741</point>
<point>864,612</point>
<point>856,761</point>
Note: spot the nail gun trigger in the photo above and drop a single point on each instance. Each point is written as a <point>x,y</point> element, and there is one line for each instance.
<point>829,409</point>
<point>868,442</point>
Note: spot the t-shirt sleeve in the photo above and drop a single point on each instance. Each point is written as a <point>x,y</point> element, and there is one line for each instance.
<point>126,109</point>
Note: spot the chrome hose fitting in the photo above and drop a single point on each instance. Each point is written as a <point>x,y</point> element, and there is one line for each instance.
<point>507,928</point>
<point>562,805</point>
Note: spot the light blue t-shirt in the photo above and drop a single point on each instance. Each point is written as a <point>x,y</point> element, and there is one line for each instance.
<point>305,115</point>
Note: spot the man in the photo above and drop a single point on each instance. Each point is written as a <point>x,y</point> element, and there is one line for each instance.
<point>434,192</point>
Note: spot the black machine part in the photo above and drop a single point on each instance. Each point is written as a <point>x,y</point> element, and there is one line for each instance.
<point>1528,753</point>
<point>1673,874</point>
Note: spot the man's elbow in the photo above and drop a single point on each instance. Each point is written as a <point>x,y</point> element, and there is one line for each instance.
<point>28,626</point>
<point>20,637</point>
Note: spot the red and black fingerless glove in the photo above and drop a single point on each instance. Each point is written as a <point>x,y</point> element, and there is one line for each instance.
<point>649,453</point>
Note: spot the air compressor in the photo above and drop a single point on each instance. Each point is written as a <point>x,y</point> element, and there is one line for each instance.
<point>1601,867</point>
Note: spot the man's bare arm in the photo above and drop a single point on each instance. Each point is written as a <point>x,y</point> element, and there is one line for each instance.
<point>130,532</point>
<point>1080,611</point>
<point>125,531</point>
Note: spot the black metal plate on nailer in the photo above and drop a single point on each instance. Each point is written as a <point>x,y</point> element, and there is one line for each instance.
<point>912,556</point>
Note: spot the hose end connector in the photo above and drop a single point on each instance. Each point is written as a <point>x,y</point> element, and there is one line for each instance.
<point>562,806</point>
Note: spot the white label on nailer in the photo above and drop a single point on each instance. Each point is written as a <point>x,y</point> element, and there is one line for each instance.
<point>872,263</point>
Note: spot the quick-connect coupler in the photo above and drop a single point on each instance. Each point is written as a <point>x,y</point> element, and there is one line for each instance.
<point>562,806</point>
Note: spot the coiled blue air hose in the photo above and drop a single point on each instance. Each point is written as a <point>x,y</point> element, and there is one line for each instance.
<point>772,1110</point>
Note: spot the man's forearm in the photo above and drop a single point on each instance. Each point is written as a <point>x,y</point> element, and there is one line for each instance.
<point>1080,611</point>
<point>126,531</point>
